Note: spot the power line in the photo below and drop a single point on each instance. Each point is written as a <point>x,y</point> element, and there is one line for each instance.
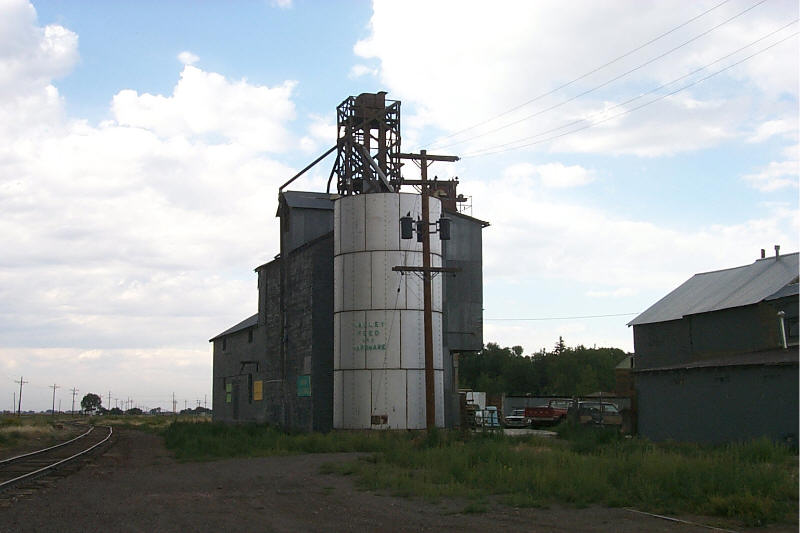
<point>608,82</point>
<point>588,73</point>
<point>558,317</point>
<point>488,152</point>
<point>651,91</point>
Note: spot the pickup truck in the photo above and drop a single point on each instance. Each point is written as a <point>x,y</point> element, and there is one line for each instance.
<point>517,419</point>
<point>553,413</point>
<point>599,413</point>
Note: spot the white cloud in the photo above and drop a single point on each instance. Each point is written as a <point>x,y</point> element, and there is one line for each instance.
<point>321,133</point>
<point>129,241</point>
<point>776,175</point>
<point>550,175</point>
<point>771,128</point>
<point>558,239</point>
<point>282,4</point>
<point>483,62</point>
<point>614,293</point>
<point>207,104</point>
<point>31,56</point>
<point>556,175</point>
<point>358,71</point>
<point>188,58</point>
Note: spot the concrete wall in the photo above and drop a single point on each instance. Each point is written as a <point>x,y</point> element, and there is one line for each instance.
<point>716,405</point>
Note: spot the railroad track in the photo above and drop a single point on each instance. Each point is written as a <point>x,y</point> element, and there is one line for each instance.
<point>21,469</point>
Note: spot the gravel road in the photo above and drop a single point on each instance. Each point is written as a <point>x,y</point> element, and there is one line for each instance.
<point>136,486</point>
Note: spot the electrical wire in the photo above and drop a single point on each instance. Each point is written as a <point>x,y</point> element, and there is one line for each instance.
<point>604,84</point>
<point>487,151</point>
<point>556,318</point>
<point>567,84</point>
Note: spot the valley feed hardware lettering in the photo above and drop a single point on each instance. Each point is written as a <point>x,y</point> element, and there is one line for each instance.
<point>371,336</point>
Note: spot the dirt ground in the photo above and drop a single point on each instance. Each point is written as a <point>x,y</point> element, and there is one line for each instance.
<point>136,486</point>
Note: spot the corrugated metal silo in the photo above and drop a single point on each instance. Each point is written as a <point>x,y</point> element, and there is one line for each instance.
<point>379,354</point>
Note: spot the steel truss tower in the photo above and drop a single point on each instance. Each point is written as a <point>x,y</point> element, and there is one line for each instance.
<point>368,145</point>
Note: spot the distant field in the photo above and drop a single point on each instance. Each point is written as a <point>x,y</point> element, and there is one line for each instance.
<point>753,483</point>
<point>39,430</point>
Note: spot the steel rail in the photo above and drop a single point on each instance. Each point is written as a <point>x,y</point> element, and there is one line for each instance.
<point>36,452</point>
<point>6,484</point>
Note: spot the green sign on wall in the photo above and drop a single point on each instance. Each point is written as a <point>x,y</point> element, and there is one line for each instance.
<point>304,385</point>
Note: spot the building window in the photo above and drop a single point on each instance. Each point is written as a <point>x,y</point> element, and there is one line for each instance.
<point>249,388</point>
<point>250,335</point>
<point>228,392</point>
<point>258,390</point>
<point>224,343</point>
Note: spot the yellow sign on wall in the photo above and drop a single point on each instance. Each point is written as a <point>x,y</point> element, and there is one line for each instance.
<point>258,394</point>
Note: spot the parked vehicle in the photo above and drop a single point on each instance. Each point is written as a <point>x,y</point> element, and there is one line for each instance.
<point>487,418</point>
<point>553,413</point>
<point>599,413</point>
<point>517,419</point>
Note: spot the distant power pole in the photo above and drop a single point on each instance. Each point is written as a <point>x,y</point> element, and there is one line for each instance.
<point>54,387</point>
<point>173,403</point>
<point>109,399</point>
<point>74,391</point>
<point>19,405</point>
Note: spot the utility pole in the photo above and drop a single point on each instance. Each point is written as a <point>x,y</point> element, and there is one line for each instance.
<point>109,399</point>
<point>74,391</point>
<point>430,388</point>
<point>19,405</point>
<point>173,403</point>
<point>54,387</point>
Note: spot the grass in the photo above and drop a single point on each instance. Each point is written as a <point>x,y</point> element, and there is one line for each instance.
<point>755,483</point>
<point>202,442</point>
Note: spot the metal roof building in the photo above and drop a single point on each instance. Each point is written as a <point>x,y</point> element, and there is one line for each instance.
<point>765,279</point>
<point>716,359</point>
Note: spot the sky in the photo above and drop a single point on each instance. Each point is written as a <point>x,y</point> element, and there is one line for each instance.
<point>616,148</point>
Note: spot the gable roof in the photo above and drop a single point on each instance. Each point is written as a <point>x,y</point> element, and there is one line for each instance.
<point>724,289</point>
<point>308,200</point>
<point>244,324</point>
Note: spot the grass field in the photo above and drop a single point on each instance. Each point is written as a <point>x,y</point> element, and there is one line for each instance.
<point>754,483</point>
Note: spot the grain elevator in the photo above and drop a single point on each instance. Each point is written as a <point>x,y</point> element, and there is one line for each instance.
<point>374,294</point>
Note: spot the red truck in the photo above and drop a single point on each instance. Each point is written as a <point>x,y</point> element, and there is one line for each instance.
<point>553,413</point>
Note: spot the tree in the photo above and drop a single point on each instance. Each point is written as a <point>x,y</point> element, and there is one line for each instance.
<point>91,402</point>
<point>563,371</point>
